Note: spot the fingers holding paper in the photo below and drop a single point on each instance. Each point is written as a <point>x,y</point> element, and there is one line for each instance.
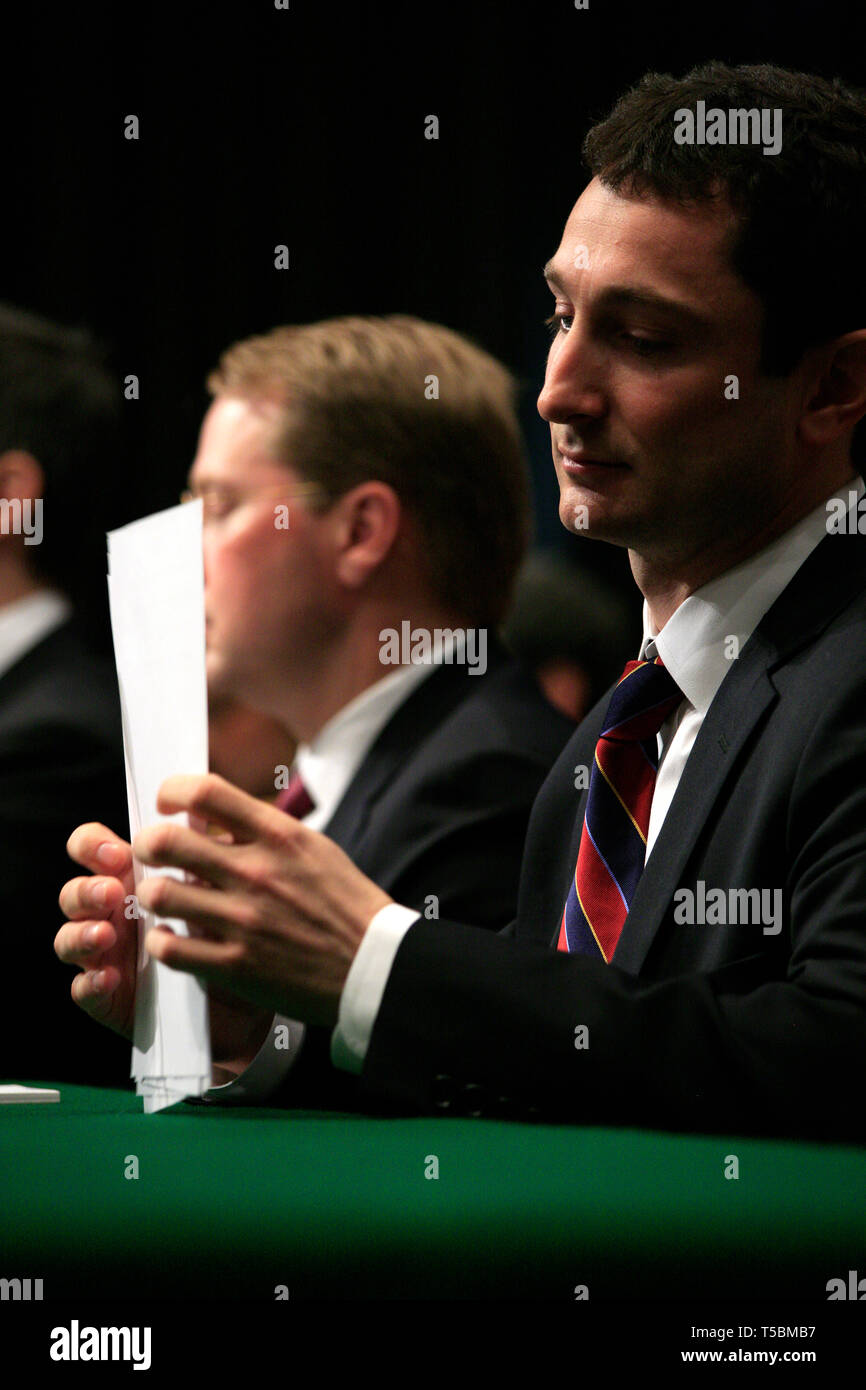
<point>101,937</point>
<point>277,915</point>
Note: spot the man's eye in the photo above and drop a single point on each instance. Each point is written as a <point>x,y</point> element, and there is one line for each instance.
<point>216,504</point>
<point>646,347</point>
<point>558,323</point>
<point>636,342</point>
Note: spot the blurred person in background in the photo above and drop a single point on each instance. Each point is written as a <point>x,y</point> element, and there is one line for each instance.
<point>571,628</point>
<point>60,739</point>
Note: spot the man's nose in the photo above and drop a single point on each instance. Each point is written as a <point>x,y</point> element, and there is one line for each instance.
<point>572,382</point>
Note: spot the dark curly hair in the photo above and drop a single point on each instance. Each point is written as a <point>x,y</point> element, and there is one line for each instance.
<point>802,229</point>
<point>60,402</point>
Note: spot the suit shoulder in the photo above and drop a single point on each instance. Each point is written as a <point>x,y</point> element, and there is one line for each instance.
<point>506,710</point>
<point>61,687</point>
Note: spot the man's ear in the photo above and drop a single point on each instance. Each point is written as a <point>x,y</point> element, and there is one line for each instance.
<point>20,475</point>
<point>367,520</point>
<point>836,399</point>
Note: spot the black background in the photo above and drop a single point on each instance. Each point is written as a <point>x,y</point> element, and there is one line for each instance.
<point>305,126</point>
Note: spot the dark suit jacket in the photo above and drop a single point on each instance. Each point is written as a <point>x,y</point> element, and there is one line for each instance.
<point>714,1027</point>
<point>437,813</point>
<point>440,805</point>
<point>61,763</point>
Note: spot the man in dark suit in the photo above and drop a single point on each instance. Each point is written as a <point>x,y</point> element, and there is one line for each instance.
<point>60,744</point>
<point>342,469</point>
<point>690,943</point>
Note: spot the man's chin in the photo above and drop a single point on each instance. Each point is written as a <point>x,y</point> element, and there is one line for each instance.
<point>219,685</point>
<point>588,518</point>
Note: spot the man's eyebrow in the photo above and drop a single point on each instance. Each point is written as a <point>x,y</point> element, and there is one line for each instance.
<point>201,481</point>
<point>627,296</point>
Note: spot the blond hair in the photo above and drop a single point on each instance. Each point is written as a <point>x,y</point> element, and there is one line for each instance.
<point>358,402</point>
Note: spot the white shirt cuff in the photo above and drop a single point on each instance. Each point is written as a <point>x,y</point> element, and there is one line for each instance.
<point>272,1062</point>
<point>365,985</point>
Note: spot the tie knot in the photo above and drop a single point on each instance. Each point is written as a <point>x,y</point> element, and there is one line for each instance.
<point>644,697</point>
<point>295,799</point>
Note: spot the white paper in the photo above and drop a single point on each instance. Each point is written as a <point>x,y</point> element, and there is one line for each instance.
<point>26,1095</point>
<point>156,595</point>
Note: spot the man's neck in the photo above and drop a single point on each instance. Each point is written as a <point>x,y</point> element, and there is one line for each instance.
<point>15,584</point>
<point>666,585</point>
<point>348,666</point>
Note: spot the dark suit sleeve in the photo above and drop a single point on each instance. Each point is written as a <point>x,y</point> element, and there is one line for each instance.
<point>474,1023</point>
<point>451,850</point>
<point>52,777</point>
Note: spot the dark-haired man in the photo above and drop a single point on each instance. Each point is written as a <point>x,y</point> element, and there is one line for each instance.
<point>690,944</point>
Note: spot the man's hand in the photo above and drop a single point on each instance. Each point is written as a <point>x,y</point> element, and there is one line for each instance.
<point>278,912</point>
<point>99,937</point>
<point>103,941</point>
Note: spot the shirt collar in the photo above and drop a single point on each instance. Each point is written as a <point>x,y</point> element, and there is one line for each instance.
<point>329,762</point>
<point>711,627</point>
<point>25,622</point>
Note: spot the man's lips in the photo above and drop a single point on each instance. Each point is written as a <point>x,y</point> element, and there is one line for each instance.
<point>576,462</point>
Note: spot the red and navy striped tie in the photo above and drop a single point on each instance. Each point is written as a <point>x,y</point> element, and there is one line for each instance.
<point>612,850</point>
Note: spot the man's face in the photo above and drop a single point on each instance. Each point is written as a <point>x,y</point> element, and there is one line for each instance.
<point>651,448</point>
<point>265,586</point>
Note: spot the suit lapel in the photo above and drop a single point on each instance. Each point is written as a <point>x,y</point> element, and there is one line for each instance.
<point>549,855</point>
<point>740,704</point>
<point>824,584</point>
<point>423,711</point>
<point>36,661</point>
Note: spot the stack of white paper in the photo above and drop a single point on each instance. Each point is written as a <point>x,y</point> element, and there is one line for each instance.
<point>156,593</point>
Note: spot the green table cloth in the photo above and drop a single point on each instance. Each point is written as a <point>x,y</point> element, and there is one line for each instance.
<point>101,1201</point>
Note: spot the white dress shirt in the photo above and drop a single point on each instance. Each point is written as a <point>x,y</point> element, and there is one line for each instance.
<point>328,764</point>
<point>26,621</point>
<point>697,648</point>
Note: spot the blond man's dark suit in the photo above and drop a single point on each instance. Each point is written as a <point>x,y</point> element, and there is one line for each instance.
<point>437,815</point>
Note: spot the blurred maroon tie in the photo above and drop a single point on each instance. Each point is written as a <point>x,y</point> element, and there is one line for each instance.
<point>295,799</point>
